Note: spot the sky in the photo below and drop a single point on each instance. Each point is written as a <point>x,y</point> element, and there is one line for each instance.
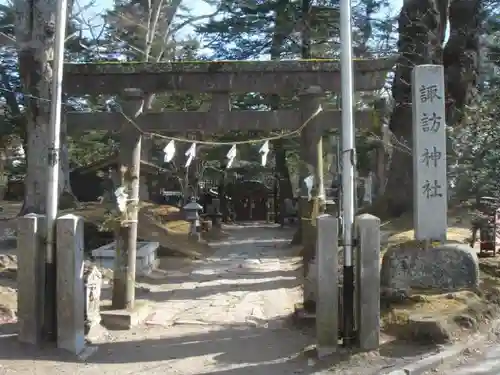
<point>198,8</point>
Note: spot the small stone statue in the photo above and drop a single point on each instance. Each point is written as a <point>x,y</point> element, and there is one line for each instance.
<point>93,282</point>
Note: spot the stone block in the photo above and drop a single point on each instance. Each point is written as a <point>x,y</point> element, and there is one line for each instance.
<point>430,181</point>
<point>70,284</point>
<point>146,258</point>
<point>327,298</point>
<point>447,267</point>
<point>368,281</point>
<point>30,277</point>
<point>331,208</point>
<point>119,319</point>
<point>93,284</point>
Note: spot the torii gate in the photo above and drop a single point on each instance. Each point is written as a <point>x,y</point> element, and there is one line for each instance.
<point>309,79</point>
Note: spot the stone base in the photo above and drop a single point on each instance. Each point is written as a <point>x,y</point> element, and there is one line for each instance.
<point>429,329</point>
<point>87,352</point>
<point>447,267</point>
<point>125,319</point>
<point>146,259</point>
<point>303,317</point>
<point>323,351</point>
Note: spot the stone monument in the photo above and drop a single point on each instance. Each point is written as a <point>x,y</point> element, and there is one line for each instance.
<point>429,153</point>
<point>449,266</point>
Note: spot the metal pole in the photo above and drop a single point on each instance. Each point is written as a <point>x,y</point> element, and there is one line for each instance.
<point>348,159</point>
<point>53,170</point>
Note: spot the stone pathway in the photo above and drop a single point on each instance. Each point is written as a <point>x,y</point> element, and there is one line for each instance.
<point>228,315</point>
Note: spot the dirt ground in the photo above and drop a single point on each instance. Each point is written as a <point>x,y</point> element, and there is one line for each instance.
<point>227,314</point>
<point>8,261</point>
<point>160,223</point>
<point>453,314</point>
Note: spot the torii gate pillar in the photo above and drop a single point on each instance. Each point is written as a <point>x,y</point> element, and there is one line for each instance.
<point>126,236</point>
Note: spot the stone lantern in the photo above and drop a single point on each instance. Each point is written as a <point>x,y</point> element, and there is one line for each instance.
<point>192,212</point>
<point>215,213</point>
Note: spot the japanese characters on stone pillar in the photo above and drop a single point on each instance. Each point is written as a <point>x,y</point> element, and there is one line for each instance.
<point>429,153</point>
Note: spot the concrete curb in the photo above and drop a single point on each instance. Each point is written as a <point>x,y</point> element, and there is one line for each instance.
<point>431,362</point>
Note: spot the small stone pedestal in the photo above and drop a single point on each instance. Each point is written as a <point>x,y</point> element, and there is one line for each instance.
<point>120,319</point>
<point>146,259</point>
<point>215,214</point>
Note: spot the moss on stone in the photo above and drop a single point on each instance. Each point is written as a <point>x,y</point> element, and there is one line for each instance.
<point>322,65</point>
<point>406,239</point>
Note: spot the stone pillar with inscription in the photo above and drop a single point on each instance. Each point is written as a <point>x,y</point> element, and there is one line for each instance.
<point>429,153</point>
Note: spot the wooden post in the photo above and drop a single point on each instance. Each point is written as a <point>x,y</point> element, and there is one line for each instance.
<point>126,238</point>
<point>312,164</point>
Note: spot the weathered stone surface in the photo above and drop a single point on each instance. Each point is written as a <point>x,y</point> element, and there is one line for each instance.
<point>30,277</point>
<point>70,284</point>
<point>272,66</point>
<point>146,256</point>
<point>125,319</point>
<point>174,122</point>
<point>93,283</point>
<point>446,267</point>
<point>428,329</point>
<point>327,301</point>
<point>235,76</point>
<point>368,281</point>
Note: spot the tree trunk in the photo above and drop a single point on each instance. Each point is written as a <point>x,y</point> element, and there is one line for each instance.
<point>461,57</point>
<point>35,32</point>
<point>422,27</point>
<point>66,198</point>
<point>36,75</point>
<point>283,174</point>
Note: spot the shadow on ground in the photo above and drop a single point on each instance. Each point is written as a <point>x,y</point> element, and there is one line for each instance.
<point>201,291</point>
<point>277,348</point>
<point>274,347</point>
<point>159,277</point>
